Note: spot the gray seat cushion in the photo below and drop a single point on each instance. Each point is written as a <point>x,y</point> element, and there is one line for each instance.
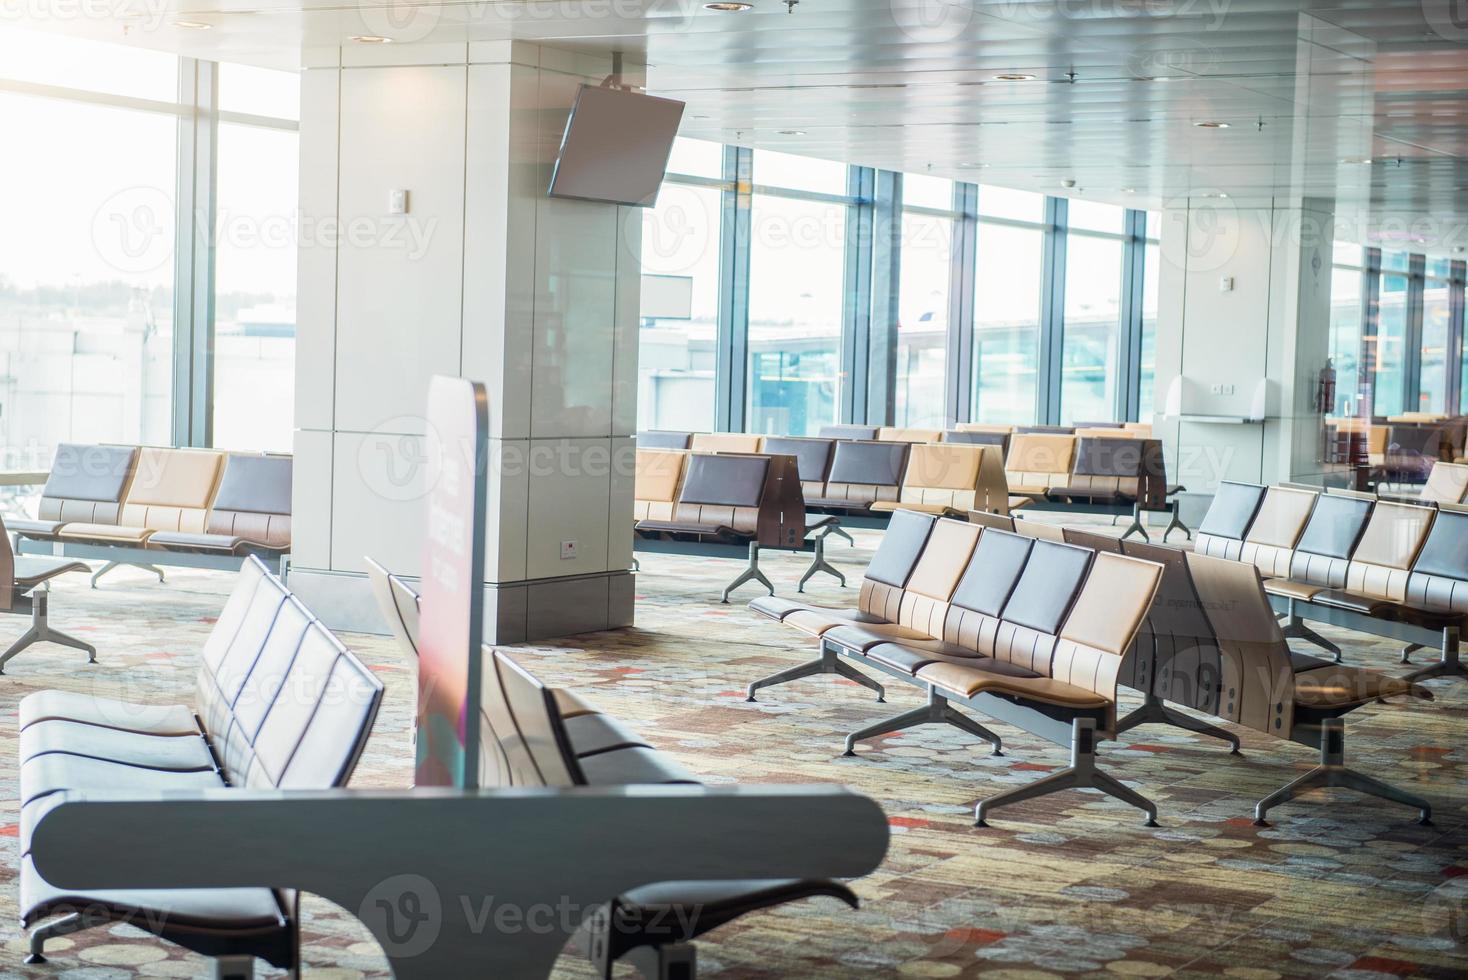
<point>1232,510</point>
<point>86,472</point>
<point>590,734</point>
<point>208,542</point>
<point>776,607</point>
<point>182,753</point>
<point>31,571</point>
<point>32,529</point>
<point>1045,591</point>
<point>214,909</point>
<point>52,773</point>
<point>663,439</point>
<point>172,719</point>
<point>724,481</point>
<point>255,484</point>
<point>812,456</point>
<point>632,766</point>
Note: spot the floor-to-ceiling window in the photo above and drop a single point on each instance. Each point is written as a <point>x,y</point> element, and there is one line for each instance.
<point>1008,273</point>
<point>923,297</point>
<point>1092,310</point>
<point>680,293</point>
<point>1432,395</point>
<point>1390,344</point>
<point>87,247</point>
<point>255,259</point>
<point>797,265</point>
<point>1345,329</point>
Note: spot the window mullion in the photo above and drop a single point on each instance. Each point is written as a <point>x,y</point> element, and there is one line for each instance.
<point>1052,314</point>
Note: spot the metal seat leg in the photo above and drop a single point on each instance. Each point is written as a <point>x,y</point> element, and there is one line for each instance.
<point>936,712</point>
<point>1294,628</point>
<point>751,573</point>
<point>1332,771</point>
<point>1175,524</point>
<point>41,632</point>
<point>64,926</point>
<point>840,532</point>
<point>1136,526</point>
<point>1449,664</point>
<point>1153,711</point>
<point>115,564</point>
<point>829,662</point>
<point>818,563</point>
<point>1080,774</point>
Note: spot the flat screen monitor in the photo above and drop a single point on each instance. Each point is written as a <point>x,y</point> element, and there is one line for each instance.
<point>616,147</point>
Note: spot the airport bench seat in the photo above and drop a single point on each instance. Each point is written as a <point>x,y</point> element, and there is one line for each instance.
<point>252,508</point>
<point>281,705</point>
<point>86,484</point>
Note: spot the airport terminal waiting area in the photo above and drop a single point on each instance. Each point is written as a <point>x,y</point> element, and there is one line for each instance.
<point>1016,745</point>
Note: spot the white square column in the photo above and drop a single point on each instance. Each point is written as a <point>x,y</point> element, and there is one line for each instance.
<point>484,276</point>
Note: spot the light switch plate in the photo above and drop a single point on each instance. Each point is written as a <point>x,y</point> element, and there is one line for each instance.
<point>568,550</point>
<point>397,202</point>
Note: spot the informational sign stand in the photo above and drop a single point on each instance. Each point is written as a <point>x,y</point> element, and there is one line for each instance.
<point>449,650</point>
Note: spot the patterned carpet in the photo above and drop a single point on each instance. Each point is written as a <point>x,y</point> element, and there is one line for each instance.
<point>1067,886</point>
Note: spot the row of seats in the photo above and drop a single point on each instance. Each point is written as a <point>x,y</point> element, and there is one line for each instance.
<point>536,735</point>
<point>1397,449</point>
<point>281,704</point>
<point>1029,632</point>
<point>1039,633</point>
<point>165,500</point>
<point>1350,559</point>
<point>849,475</point>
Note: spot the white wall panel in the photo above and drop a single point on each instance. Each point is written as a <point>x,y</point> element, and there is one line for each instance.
<point>570,485</point>
<point>316,256</point>
<point>399,290</point>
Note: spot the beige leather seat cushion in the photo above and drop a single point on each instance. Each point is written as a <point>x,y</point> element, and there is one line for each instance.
<point>659,471</point>
<point>817,621</point>
<point>891,505</point>
<point>106,532</point>
<point>982,677</point>
<point>1292,589</point>
<point>947,466</point>
<point>725,442</point>
<point>1281,517</point>
<point>31,571</point>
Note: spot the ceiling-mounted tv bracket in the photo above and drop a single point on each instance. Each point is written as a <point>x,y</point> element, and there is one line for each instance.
<point>614,80</point>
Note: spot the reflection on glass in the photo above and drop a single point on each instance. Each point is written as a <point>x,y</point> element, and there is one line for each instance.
<point>1093,216</point>
<point>797,262</point>
<point>1151,277</point>
<point>773,169</point>
<point>922,191</point>
<point>1006,322</point>
<point>255,288</point>
<point>1433,394</point>
<point>1001,202</point>
<point>1088,368</point>
<point>696,158</point>
<point>1391,346</point>
<point>1345,337</point>
<point>680,310</point>
<point>922,323</point>
<point>86,276</point>
<point>259,91</point>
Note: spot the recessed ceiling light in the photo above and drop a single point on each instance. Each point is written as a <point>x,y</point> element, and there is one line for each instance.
<point>192,25</point>
<point>1355,160</point>
<point>1014,76</point>
<point>972,166</point>
<point>1128,190</point>
<point>728,8</point>
<point>791,132</point>
<point>370,39</point>
<point>1211,124</point>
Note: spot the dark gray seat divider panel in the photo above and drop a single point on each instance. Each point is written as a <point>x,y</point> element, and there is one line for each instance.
<point>725,481</point>
<point>663,439</point>
<point>876,463</point>
<point>1335,525</point>
<point>1232,510</point>
<point>1045,591</point>
<point>903,542</point>
<point>990,577</point>
<point>86,472</point>
<point>812,456</point>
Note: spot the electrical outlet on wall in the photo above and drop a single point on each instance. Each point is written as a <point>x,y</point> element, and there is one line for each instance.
<point>568,550</point>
